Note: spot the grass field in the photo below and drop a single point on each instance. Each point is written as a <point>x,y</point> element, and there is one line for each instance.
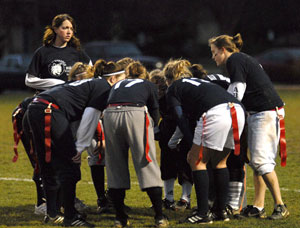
<point>17,191</point>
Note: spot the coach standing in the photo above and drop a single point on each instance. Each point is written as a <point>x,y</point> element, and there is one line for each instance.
<point>251,85</point>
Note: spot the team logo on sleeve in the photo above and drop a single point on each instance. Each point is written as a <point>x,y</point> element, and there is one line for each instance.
<point>57,67</point>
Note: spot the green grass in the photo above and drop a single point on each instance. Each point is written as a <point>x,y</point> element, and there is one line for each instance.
<point>17,198</point>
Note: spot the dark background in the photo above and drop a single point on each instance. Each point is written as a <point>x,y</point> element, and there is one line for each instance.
<point>164,28</point>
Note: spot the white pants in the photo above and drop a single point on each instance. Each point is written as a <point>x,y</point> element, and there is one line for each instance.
<point>263,139</point>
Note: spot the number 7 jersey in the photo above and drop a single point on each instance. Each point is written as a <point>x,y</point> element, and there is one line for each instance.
<point>197,96</point>
<point>135,91</point>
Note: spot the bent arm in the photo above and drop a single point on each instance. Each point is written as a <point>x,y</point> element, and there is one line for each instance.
<point>87,128</point>
<point>237,89</point>
<point>183,125</point>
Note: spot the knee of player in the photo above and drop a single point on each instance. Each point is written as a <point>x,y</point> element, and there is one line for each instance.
<point>263,168</point>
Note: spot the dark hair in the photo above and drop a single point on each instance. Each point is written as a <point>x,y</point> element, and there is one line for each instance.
<point>230,43</point>
<point>136,70</point>
<point>50,36</point>
<point>198,71</point>
<point>101,67</point>
<point>157,77</point>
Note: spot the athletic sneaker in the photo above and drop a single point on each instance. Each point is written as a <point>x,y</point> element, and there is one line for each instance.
<point>40,210</point>
<point>232,213</point>
<point>58,219</point>
<point>80,206</point>
<point>182,205</point>
<point>251,211</point>
<point>78,220</point>
<point>196,218</point>
<point>220,216</point>
<point>280,212</point>
<point>103,205</point>
<point>170,205</point>
<point>162,221</point>
<point>119,224</point>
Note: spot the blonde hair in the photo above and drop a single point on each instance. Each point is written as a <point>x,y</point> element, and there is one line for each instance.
<point>177,69</point>
<point>155,72</point>
<point>136,70</point>
<point>124,62</point>
<point>80,71</point>
<point>230,43</point>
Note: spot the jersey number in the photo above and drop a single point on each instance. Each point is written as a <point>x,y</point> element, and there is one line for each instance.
<point>191,82</point>
<point>79,82</point>
<point>131,83</point>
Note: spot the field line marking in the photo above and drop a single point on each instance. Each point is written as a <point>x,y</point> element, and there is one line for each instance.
<point>133,182</point>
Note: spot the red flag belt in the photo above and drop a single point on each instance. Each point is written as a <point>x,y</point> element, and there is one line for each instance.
<point>147,137</point>
<point>100,136</point>
<point>17,136</point>
<point>48,112</point>
<point>235,129</point>
<point>201,146</point>
<point>282,140</point>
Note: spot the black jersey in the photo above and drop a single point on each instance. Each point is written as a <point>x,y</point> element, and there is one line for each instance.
<point>218,79</point>
<point>197,96</point>
<point>136,91</point>
<point>72,98</point>
<point>53,62</point>
<point>260,94</point>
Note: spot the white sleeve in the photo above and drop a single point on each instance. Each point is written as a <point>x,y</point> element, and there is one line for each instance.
<point>87,128</point>
<point>237,89</point>
<point>175,139</point>
<point>41,83</point>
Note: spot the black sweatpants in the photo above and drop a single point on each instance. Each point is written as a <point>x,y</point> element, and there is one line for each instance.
<point>61,171</point>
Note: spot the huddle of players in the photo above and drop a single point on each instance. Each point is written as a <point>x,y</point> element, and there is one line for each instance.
<point>201,124</point>
<point>168,123</point>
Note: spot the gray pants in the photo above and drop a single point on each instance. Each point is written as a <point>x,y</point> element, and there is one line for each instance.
<point>124,128</point>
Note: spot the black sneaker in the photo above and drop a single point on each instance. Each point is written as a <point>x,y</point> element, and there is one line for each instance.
<point>58,219</point>
<point>232,213</point>
<point>251,211</point>
<point>162,221</point>
<point>196,218</point>
<point>220,216</point>
<point>81,206</point>
<point>170,205</point>
<point>181,205</point>
<point>280,212</point>
<point>78,220</point>
<point>103,205</point>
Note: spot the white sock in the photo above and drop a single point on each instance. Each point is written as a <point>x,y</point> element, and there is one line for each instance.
<point>169,189</point>
<point>234,193</point>
<point>259,208</point>
<point>186,191</point>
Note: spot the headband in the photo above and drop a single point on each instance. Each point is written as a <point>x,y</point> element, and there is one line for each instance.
<point>80,74</point>
<point>114,73</point>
